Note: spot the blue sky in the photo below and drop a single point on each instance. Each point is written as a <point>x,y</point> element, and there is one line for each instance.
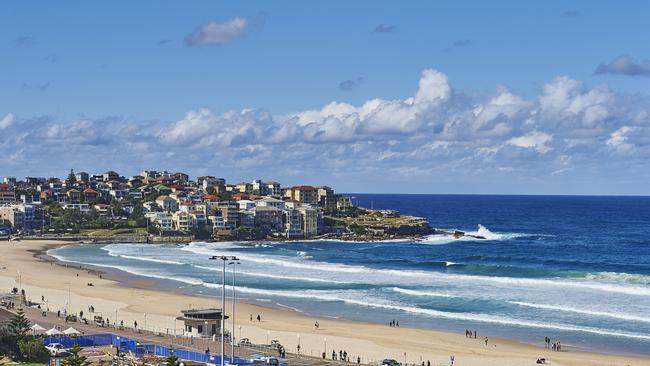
<point>515,97</point>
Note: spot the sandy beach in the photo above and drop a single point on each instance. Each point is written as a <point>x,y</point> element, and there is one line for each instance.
<point>128,302</point>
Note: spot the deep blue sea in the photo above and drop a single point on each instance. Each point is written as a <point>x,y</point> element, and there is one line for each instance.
<point>576,269</point>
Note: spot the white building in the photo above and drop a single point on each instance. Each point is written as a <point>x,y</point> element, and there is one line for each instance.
<point>246,204</point>
<point>270,202</point>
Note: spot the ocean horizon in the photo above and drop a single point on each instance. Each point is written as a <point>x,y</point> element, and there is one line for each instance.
<point>572,268</point>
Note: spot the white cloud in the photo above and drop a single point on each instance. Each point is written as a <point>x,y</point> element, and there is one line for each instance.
<point>216,33</point>
<point>434,87</point>
<point>7,121</point>
<point>534,140</point>
<point>436,132</point>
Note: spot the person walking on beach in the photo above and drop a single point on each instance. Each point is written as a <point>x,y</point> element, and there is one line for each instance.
<point>316,325</point>
<point>474,334</point>
<point>259,318</point>
<point>486,341</point>
<point>135,324</point>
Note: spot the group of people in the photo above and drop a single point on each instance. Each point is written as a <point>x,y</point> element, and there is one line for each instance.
<point>259,318</point>
<point>282,353</point>
<point>342,356</point>
<point>555,346</point>
<point>468,334</point>
<point>394,323</point>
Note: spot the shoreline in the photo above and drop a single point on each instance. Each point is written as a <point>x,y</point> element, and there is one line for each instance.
<point>370,341</point>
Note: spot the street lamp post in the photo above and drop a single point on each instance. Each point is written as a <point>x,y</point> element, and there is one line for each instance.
<point>223,304</point>
<point>325,343</point>
<point>234,264</point>
<point>145,322</point>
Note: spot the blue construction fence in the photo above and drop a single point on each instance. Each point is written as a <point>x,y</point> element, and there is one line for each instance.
<point>127,344</point>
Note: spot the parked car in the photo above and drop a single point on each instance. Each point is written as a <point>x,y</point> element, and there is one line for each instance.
<point>390,362</point>
<point>55,349</point>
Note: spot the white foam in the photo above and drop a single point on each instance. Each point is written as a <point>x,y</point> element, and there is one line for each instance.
<point>482,231</point>
<point>385,275</point>
<point>134,271</point>
<point>485,318</point>
<point>582,311</point>
<point>274,276</point>
<point>620,277</point>
<point>422,293</point>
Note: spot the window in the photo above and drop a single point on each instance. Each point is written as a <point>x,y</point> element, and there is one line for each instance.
<point>199,328</point>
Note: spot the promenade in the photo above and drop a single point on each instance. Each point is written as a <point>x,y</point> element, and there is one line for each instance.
<point>178,342</point>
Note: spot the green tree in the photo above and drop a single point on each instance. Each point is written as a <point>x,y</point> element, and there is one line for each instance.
<point>71,180</point>
<point>117,208</point>
<point>32,350</point>
<point>75,359</point>
<point>19,324</point>
<point>172,361</point>
<point>138,214</point>
<point>8,342</point>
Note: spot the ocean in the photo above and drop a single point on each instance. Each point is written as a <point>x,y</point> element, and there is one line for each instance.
<point>572,268</point>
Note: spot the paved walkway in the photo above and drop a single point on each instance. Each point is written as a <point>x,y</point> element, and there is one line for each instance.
<point>146,337</point>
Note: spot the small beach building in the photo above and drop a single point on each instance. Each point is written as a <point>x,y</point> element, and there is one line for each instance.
<point>203,323</point>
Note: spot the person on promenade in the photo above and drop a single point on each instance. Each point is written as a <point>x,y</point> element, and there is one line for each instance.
<point>358,360</point>
<point>135,324</point>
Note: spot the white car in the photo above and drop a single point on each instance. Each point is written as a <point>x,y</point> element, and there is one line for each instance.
<point>55,348</point>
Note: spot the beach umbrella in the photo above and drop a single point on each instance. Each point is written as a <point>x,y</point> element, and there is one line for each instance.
<point>37,328</point>
<point>53,331</point>
<point>71,331</point>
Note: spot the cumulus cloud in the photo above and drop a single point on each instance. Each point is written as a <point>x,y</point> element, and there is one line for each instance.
<point>214,33</point>
<point>435,133</point>
<point>625,65</point>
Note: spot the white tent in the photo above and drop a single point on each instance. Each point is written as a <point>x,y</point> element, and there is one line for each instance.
<point>37,328</point>
<point>71,331</point>
<point>53,331</point>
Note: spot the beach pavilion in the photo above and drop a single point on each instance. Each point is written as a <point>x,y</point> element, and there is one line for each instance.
<point>202,323</point>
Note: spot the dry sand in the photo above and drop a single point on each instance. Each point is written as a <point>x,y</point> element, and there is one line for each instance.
<point>369,341</point>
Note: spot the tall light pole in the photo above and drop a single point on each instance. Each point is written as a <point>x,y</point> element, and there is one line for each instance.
<point>223,258</point>
<point>234,264</point>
